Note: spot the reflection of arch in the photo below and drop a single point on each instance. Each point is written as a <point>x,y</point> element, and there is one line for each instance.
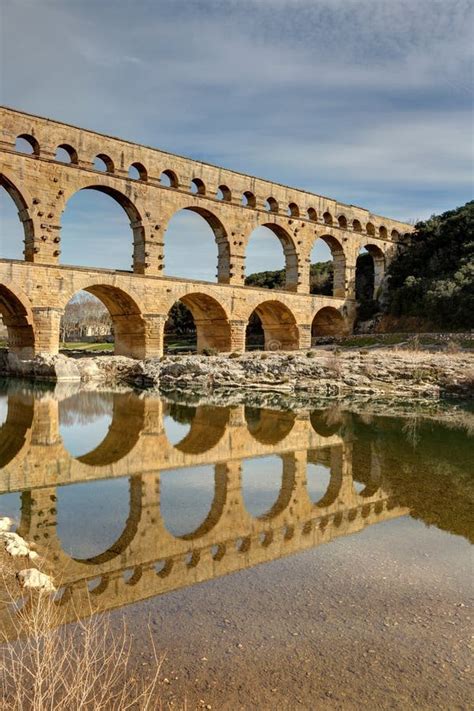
<point>14,430</point>
<point>134,216</point>
<point>339,263</point>
<point>18,319</point>
<point>22,205</point>
<point>129,532</point>
<point>269,426</point>
<point>212,324</point>
<point>326,423</point>
<point>328,321</point>
<point>279,326</point>
<point>128,323</point>
<point>124,431</point>
<point>286,490</point>
<point>291,256</point>
<point>330,457</point>
<point>217,506</point>
<point>207,429</point>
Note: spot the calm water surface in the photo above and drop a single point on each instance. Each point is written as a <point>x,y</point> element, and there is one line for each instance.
<point>134,501</point>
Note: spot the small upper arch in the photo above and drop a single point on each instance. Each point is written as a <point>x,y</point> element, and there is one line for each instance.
<point>248,199</point>
<point>26,143</point>
<point>197,187</point>
<point>271,205</point>
<point>293,210</point>
<point>342,221</point>
<point>137,171</point>
<point>327,218</point>
<point>370,229</point>
<point>169,179</point>
<point>104,163</point>
<point>223,193</point>
<point>383,232</point>
<point>395,234</point>
<point>312,214</point>
<point>356,226</point>
<point>65,153</point>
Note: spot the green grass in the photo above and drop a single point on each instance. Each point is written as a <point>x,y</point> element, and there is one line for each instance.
<point>81,346</point>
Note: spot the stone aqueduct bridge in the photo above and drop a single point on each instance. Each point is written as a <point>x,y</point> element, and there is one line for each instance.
<point>147,559</point>
<point>34,292</point>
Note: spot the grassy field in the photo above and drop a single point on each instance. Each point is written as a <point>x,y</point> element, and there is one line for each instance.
<point>81,346</point>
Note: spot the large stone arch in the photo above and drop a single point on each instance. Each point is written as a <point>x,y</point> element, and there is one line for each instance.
<point>339,262</point>
<point>23,203</point>
<point>220,235</point>
<point>279,325</point>
<point>133,212</point>
<point>328,321</point>
<point>17,316</point>
<point>290,253</point>
<point>379,262</point>
<point>14,433</point>
<point>211,320</point>
<point>128,323</point>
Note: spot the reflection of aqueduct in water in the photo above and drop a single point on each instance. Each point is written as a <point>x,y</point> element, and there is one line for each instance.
<point>35,291</point>
<point>147,559</point>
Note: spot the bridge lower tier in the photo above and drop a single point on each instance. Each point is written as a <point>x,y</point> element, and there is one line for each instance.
<point>33,298</point>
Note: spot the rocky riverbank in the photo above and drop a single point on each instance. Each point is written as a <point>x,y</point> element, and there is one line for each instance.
<point>379,373</point>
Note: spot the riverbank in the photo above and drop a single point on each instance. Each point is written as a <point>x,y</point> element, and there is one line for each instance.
<point>330,374</point>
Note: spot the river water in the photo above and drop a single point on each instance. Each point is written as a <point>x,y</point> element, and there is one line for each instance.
<point>282,559</point>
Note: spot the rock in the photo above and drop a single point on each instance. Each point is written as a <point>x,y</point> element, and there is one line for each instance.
<point>35,580</point>
<point>14,544</point>
<point>6,523</point>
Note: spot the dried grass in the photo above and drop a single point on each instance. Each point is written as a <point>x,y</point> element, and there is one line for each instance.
<point>84,666</point>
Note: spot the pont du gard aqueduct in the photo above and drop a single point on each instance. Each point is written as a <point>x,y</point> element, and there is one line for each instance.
<point>34,291</point>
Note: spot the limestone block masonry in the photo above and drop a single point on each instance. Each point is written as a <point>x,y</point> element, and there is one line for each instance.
<point>35,291</point>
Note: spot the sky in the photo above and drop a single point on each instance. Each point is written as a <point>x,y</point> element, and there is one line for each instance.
<point>366,101</point>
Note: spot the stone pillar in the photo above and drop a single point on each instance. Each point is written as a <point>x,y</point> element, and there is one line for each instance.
<point>154,334</point>
<point>148,248</point>
<point>305,335</point>
<point>46,326</point>
<point>237,335</point>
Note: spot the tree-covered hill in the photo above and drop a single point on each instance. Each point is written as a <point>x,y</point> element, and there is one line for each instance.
<point>433,277</point>
<point>321,278</point>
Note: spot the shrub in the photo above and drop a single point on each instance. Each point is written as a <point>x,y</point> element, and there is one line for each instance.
<point>311,354</point>
<point>235,354</point>
<point>209,351</point>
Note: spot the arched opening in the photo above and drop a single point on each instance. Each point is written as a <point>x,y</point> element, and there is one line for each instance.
<point>103,163</point>
<point>198,187</point>
<point>18,322</point>
<point>27,144</point>
<point>249,199</point>
<point>97,521</point>
<point>312,214</point>
<point>66,154</point>
<point>370,269</point>
<point>328,322</point>
<point>293,210</point>
<point>327,218</point>
<point>169,179</point>
<point>271,205</point>
<point>342,222</point>
<point>212,327</point>
<point>16,226</point>
<point>324,475</point>
<point>370,229</point>
<point>270,265</point>
<point>328,265</point>
<point>87,320</point>
<point>187,500</point>
<point>383,232</point>
<point>280,332</point>
<point>197,231</point>
<point>16,419</point>
<point>395,234</point>
<point>180,330</point>
<point>95,232</point>
<point>137,171</point>
<point>356,226</point>
<point>223,193</point>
